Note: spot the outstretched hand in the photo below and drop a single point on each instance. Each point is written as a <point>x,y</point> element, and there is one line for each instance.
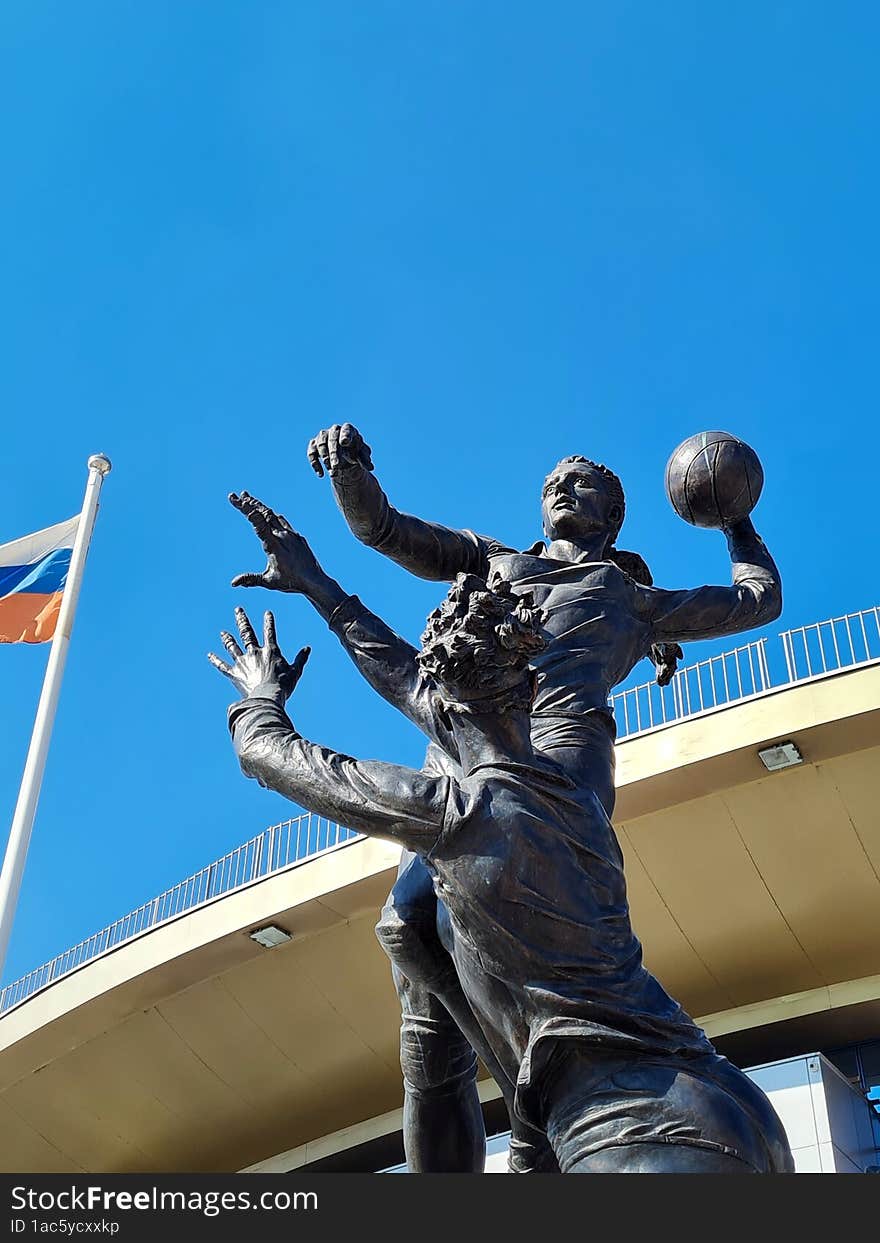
<point>259,669</point>
<point>291,565</point>
<point>665,657</point>
<point>338,449</point>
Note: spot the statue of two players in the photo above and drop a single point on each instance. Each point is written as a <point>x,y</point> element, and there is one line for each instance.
<point>508,928</point>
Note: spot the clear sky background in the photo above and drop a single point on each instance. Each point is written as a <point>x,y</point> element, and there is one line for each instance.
<point>489,234</point>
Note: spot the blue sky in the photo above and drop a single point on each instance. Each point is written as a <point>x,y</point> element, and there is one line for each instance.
<point>487,234</point>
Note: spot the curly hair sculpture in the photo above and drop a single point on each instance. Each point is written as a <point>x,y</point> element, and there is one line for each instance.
<point>476,643</point>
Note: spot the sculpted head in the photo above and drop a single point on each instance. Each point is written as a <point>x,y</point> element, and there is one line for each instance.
<point>582,499</point>
<point>477,646</point>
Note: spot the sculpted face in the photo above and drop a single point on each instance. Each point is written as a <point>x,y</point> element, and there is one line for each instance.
<point>576,502</point>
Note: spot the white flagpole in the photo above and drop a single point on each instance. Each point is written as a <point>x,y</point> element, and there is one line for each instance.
<point>32,780</point>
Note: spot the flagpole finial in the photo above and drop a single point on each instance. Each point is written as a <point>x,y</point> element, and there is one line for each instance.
<point>98,461</point>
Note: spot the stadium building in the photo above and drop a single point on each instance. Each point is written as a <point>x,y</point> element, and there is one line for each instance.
<point>245,1019</point>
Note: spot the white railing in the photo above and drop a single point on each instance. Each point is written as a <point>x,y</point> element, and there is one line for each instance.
<point>708,684</point>
<point>745,672</point>
<point>837,643</point>
<point>808,651</point>
<point>282,845</point>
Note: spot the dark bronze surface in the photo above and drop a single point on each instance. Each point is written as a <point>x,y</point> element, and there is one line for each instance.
<point>508,928</point>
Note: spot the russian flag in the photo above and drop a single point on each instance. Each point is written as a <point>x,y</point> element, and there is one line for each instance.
<point>33,571</point>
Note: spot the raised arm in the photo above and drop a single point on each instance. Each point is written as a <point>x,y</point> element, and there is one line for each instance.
<point>426,549</point>
<point>753,599</point>
<point>399,804</point>
<point>383,658</point>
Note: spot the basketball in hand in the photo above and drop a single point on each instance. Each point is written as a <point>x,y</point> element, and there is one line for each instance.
<point>713,479</point>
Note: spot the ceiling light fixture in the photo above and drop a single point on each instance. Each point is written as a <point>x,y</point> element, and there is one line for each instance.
<point>782,755</point>
<point>270,936</point>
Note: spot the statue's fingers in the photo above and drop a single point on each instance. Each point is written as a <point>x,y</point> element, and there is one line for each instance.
<point>258,515</point>
<point>315,457</point>
<point>333,448</point>
<point>248,501</point>
<point>220,664</point>
<point>351,443</point>
<point>269,637</point>
<point>321,440</point>
<point>249,580</point>
<point>246,630</point>
<point>354,447</point>
<point>363,451</point>
<point>249,504</point>
<point>266,514</point>
<point>230,644</point>
<point>299,663</point>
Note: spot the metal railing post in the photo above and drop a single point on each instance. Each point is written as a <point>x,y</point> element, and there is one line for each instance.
<point>763,665</point>
<point>785,636</point>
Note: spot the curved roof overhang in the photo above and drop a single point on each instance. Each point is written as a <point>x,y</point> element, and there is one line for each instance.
<point>192,1048</point>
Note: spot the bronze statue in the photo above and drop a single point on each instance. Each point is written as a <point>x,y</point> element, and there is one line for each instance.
<point>603,1061</point>
<point>599,616</point>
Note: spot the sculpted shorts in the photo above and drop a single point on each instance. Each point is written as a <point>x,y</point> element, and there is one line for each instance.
<point>594,1103</point>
